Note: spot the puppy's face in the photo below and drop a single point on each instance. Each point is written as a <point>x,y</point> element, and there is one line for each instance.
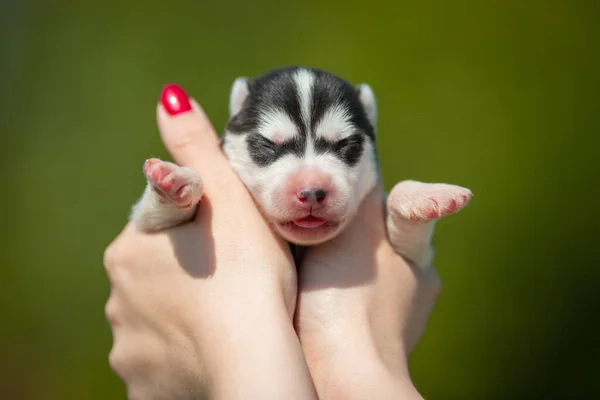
<point>303,142</point>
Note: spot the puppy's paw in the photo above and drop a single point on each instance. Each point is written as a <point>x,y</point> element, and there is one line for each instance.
<point>418,201</point>
<point>175,185</point>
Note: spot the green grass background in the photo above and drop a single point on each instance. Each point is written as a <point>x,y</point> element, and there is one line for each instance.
<point>497,96</point>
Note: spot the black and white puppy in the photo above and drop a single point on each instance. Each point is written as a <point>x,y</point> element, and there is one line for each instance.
<point>302,140</point>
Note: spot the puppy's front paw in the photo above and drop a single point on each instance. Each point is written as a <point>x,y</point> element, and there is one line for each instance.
<point>418,201</point>
<point>175,185</point>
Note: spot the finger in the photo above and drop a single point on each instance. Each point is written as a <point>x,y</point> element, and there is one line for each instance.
<point>111,310</point>
<point>120,248</point>
<point>188,134</point>
<point>134,352</point>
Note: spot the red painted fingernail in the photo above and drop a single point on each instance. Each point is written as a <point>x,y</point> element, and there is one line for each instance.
<point>175,100</point>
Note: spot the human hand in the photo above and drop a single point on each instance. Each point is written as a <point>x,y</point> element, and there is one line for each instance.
<point>205,309</point>
<point>361,310</point>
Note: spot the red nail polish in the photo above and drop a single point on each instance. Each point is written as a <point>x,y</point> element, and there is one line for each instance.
<point>175,100</point>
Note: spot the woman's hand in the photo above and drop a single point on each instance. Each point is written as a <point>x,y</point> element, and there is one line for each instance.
<point>361,310</point>
<point>205,309</point>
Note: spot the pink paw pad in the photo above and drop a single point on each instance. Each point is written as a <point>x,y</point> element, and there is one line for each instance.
<point>428,201</point>
<point>174,184</point>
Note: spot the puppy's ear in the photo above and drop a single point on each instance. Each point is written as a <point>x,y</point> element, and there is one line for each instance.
<point>239,94</point>
<point>367,99</point>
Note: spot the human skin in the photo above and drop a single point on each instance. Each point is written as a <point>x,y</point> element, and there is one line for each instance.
<point>361,311</point>
<point>206,311</point>
<point>203,310</point>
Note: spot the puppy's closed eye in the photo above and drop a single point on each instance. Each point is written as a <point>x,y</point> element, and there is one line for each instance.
<point>262,149</point>
<point>266,145</point>
<point>348,149</point>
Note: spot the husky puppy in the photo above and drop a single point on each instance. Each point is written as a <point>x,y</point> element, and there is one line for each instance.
<point>303,140</point>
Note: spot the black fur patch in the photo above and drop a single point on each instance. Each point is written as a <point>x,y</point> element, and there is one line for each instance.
<point>265,152</point>
<point>328,89</point>
<point>348,149</point>
<point>277,90</point>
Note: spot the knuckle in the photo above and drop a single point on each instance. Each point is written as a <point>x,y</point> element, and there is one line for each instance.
<point>120,362</point>
<point>111,256</point>
<point>117,250</point>
<point>186,137</point>
<point>116,361</point>
<point>116,256</point>
<point>111,310</point>
<point>193,140</point>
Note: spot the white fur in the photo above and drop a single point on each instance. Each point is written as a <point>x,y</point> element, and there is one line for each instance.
<point>304,82</point>
<point>151,214</point>
<point>367,98</point>
<point>239,93</point>
<point>413,209</point>
<point>336,123</point>
<point>170,197</point>
<point>276,125</point>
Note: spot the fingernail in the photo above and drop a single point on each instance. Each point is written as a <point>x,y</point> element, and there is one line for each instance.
<point>175,100</point>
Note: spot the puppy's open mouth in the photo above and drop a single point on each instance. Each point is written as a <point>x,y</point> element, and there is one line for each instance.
<point>308,230</point>
<point>309,225</point>
<point>309,222</point>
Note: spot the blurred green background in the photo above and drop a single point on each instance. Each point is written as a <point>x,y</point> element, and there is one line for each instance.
<point>497,96</point>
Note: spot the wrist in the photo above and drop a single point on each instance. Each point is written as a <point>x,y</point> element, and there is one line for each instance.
<point>252,351</point>
<point>355,361</point>
<point>362,376</point>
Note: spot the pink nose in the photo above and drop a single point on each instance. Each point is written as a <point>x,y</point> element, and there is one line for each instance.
<point>312,196</point>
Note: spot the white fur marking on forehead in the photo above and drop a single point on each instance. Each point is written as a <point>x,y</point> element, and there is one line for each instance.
<point>276,125</point>
<point>336,123</point>
<point>304,80</point>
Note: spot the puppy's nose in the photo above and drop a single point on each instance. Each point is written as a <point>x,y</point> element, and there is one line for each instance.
<point>312,196</point>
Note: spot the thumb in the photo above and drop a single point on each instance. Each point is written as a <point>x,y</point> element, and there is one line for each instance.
<point>188,134</point>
